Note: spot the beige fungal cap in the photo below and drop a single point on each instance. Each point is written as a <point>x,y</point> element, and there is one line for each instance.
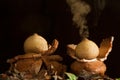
<point>35,43</point>
<point>87,49</point>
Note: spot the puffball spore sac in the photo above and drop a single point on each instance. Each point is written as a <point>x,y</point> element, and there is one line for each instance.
<point>87,49</point>
<point>35,43</point>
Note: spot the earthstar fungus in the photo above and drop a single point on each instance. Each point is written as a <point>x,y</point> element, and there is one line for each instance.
<point>89,57</point>
<point>38,58</point>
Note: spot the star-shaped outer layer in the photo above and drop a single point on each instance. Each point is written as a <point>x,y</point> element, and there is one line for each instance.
<point>104,49</point>
<point>32,62</point>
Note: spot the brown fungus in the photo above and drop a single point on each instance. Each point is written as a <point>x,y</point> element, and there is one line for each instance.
<point>38,57</point>
<point>87,64</point>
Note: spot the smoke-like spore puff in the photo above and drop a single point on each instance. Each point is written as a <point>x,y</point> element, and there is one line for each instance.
<point>80,9</point>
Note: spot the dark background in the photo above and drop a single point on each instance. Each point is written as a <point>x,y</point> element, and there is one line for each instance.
<point>53,19</point>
